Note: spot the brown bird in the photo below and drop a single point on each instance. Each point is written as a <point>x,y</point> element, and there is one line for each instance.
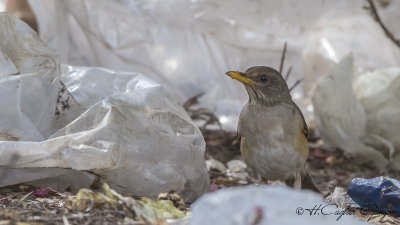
<point>272,130</point>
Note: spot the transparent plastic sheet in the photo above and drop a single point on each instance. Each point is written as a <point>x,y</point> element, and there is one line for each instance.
<point>340,33</point>
<point>267,204</point>
<point>59,122</point>
<point>191,44</point>
<point>379,93</point>
<point>358,112</point>
<point>2,5</point>
<point>349,112</point>
<point>188,44</point>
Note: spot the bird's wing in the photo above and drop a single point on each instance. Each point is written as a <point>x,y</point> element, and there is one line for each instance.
<point>305,128</point>
<point>238,136</point>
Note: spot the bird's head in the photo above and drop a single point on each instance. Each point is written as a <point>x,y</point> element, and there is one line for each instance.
<point>263,84</point>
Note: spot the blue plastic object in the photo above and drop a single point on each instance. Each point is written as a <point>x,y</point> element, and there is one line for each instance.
<point>380,194</point>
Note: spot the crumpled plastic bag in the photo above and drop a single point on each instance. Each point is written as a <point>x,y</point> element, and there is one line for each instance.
<point>379,93</point>
<point>355,110</point>
<point>342,32</point>
<point>266,204</point>
<point>359,112</point>
<point>121,126</point>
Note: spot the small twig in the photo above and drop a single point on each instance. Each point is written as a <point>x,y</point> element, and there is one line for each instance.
<point>375,14</point>
<point>90,207</point>
<point>295,84</point>
<point>212,172</point>
<point>192,101</point>
<point>288,74</point>
<point>58,218</point>
<point>65,220</point>
<point>200,114</point>
<point>35,204</point>
<point>282,58</point>
<point>27,195</point>
<point>290,69</point>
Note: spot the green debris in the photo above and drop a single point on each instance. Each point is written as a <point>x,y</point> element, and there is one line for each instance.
<point>162,209</point>
<point>146,209</point>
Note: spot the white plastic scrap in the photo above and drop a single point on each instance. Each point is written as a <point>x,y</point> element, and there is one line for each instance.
<point>121,126</point>
<point>341,32</point>
<point>379,93</point>
<point>359,114</point>
<point>340,197</point>
<point>265,204</point>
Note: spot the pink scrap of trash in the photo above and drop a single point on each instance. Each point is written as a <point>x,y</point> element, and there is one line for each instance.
<point>258,215</point>
<point>215,187</point>
<point>43,192</point>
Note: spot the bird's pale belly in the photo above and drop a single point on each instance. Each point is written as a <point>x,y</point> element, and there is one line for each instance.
<point>272,159</point>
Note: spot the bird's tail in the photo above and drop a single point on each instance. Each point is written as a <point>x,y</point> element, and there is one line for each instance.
<point>308,183</point>
<point>302,180</point>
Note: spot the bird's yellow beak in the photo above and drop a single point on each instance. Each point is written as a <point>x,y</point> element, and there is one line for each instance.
<point>237,76</point>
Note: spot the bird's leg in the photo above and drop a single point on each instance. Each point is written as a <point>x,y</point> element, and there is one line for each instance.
<point>297,180</point>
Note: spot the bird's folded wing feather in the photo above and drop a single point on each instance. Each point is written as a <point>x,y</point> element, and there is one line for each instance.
<point>305,128</point>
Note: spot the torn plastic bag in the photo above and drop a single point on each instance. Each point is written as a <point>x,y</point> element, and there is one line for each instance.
<point>379,93</point>
<point>121,126</point>
<point>267,204</point>
<point>337,34</point>
<point>339,116</point>
<point>358,113</point>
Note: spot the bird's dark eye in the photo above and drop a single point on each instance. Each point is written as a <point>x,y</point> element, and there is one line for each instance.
<point>263,78</point>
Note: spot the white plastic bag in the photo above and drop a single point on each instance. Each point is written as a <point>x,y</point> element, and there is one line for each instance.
<point>121,126</point>
<point>339,33</point>
<point>379,93</point>
<point>266,205</point>
<point>359,114</point>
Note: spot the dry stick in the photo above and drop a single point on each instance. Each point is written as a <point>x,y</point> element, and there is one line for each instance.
<point>288,74</point>
<point>378,19</point>
<point>295,84</point>
<point>282,58</point>
<point>290,68</point>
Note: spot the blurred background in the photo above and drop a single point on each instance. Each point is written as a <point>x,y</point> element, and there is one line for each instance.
<point>346,55</point>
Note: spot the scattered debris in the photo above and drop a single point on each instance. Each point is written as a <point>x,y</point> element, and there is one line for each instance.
<point>44,192</point>
<point>340,198</point>
<point>174,198</point>
<point>87,207</point>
